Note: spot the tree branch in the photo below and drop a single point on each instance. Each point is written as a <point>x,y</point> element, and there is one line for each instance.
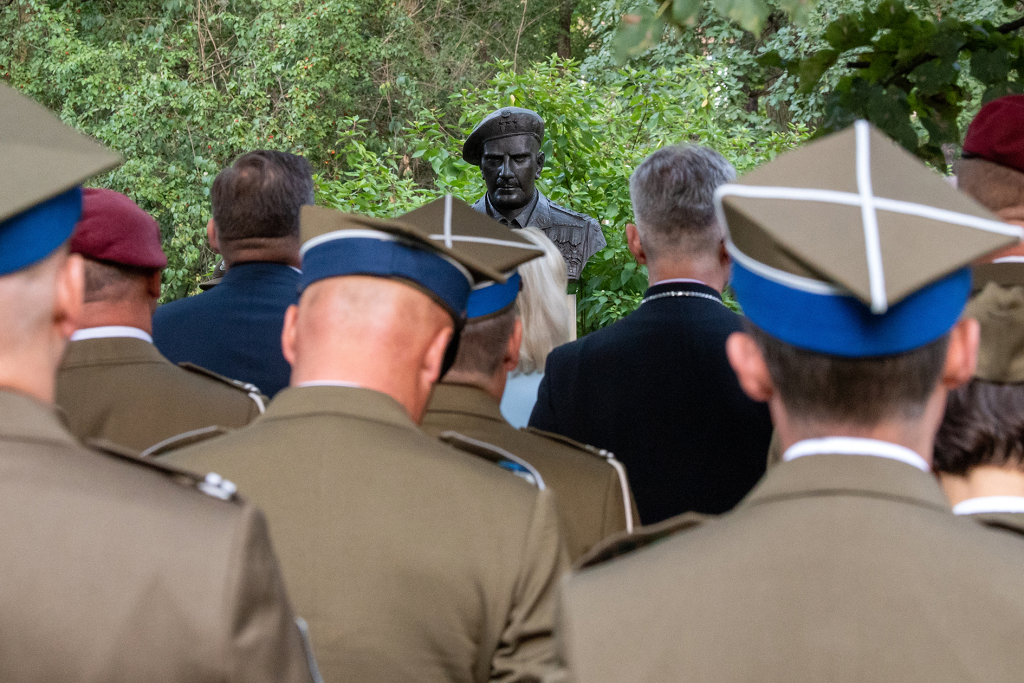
<point>1011,26</point>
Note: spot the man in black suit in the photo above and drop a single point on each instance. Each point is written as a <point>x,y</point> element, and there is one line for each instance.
<point>235,328</point>
<point>656,388</point>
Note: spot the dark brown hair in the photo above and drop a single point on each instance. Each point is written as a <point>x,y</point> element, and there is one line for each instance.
<point>105,281</point>
<point>483,343</point>
<point>863,391</point>
<point>260,195</point>
<point>984,425</point>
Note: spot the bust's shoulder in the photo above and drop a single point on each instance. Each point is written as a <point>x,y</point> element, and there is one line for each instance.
<point>561,215</point>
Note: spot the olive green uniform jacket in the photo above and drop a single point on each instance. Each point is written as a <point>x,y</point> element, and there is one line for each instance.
<point>410,560</point>
<point>121,389</point>
<point>834,568</point>
<point>112,571</point>
<point>594,498</point>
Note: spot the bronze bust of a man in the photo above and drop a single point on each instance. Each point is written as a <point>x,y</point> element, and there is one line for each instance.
<point>506,147</point>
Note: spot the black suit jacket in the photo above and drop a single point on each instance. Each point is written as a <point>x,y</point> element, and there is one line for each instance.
<point>657,390</point>
<point>235,328</point>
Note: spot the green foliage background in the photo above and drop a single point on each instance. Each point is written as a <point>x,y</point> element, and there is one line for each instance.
<point>380,95</point>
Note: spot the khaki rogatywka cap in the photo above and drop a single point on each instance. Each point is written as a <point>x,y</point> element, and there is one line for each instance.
<point>857,211</point>
<point>445,247</point>
<point>999,309</point>
<point>42,156</point>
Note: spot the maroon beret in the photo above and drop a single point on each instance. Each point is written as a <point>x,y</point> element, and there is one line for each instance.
<point>113,228</point>
<point>997,133</point>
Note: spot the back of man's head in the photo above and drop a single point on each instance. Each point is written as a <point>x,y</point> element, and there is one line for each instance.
<point>818,388</point>
<point>483,345</point>
<point>260,196</point>
<point>995,187</point>
<point>673,200</point>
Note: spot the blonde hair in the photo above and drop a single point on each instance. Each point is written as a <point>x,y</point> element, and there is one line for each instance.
<point>547,320</point>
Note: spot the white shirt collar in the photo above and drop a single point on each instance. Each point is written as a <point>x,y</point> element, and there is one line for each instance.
<point>110,331</point>
<point>329,383</point>
<point>976,506</point>
<point>848,445</point>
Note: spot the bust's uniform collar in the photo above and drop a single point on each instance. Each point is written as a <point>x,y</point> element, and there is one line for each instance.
<point>23,418</point>
<point>465,399</point>
<point>523,219</point>
<point>832,474</point>
<point>352,402</point>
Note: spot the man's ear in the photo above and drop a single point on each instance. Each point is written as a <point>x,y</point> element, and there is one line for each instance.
<point>540,164</point>
<point>211,237</point>
<point>289,334</point>
<point>430,372</point>
<point>70,295</point>
<point>154,284</point>
<point>748,364</point>
<point>633,242</point>
<point>511,360</point>
<point>723,255</point>
<point>962,354</point>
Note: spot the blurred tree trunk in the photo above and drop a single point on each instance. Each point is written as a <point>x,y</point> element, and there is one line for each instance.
<point>565,10</point>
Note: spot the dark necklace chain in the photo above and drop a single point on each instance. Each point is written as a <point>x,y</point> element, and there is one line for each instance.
<point>676,292</point>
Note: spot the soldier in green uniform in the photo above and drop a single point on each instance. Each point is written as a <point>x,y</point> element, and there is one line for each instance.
<point>594,498</point>
<point>979,452</point>
<point>410,560</point>
<point>113,383</point>
<point>845,563</point>
<point>111,568</point>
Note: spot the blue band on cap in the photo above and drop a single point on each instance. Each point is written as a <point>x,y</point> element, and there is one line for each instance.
<point>843,325</point>
<point>493,297</point>
<point>34,234</point>
<point>386,258</point>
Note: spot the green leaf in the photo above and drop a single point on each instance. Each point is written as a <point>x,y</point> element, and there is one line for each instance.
<point>636,34</point>
<point>799,11</point>
<point>751,15</point>
<point>990,66</point>
<point>812,68</point>
<point>684,12</point>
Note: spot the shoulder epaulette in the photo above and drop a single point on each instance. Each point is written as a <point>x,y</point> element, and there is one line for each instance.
<point>182,440</point>
<point>251,389</point>
<point>605,455</point>
<point>498,456</point>
<point>624,543</point>
<point>212,484</point>
<point>575,214</point>
<point>1006,521</point>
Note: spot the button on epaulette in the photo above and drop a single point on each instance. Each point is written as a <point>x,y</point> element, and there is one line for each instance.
<point>498,456</point>
<point>212,484</point>
<point>593,450</point>
<point>607,456</point>
<point>624,543</point>
<point>251,389</point>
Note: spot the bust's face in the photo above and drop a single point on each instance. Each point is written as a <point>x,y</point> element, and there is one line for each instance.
<point>511,167</point>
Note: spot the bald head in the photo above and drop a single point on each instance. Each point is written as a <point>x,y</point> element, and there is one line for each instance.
<point>381,334</point>
<point>39,306</point>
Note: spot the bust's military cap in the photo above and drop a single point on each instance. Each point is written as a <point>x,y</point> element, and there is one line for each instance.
<point>443,248</point>
<point>44,162</point>
<point>503,123</point>
<point>851,246</point>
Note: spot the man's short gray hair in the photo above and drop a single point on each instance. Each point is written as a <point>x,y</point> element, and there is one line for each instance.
<point>673,199</point>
